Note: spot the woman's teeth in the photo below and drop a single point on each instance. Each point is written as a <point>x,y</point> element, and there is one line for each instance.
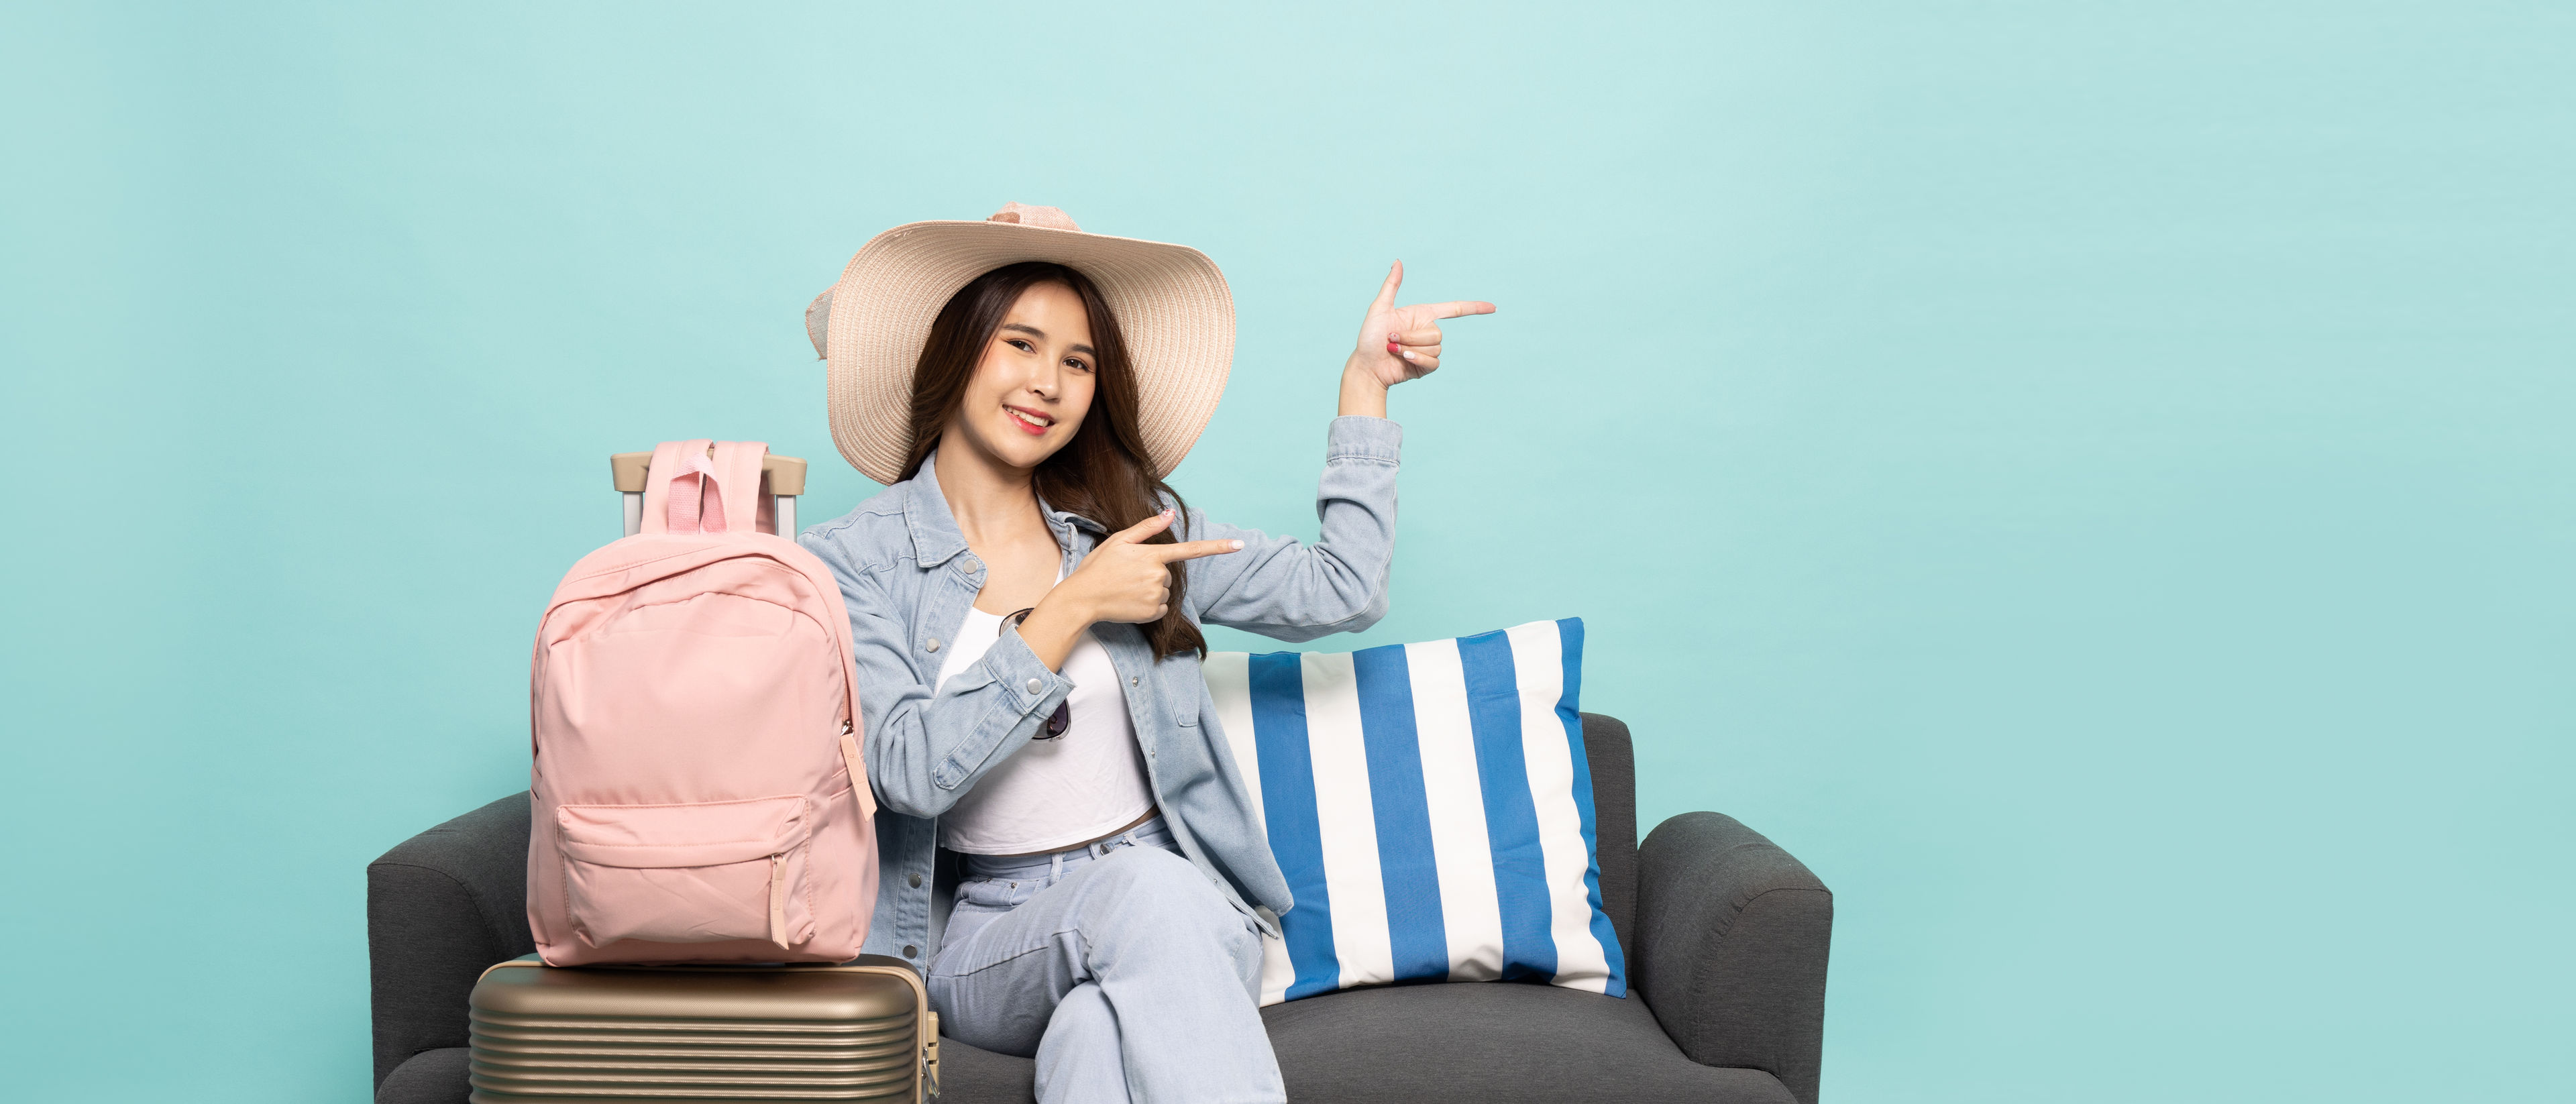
<point>1029,419</point>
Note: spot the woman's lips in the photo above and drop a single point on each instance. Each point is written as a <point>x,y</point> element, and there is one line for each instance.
<point>1030,422</point>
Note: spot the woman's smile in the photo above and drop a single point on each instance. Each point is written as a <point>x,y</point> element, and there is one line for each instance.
<point>1035,423</point>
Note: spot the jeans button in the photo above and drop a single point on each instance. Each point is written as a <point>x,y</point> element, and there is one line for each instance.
<point>933,645</point>
<point>910,951</point>
<point>1035,686</point>
<point>915,880</point>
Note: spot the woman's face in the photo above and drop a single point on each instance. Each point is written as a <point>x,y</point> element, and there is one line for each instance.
<point>1034,383</point>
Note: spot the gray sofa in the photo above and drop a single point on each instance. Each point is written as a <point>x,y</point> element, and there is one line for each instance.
<point>1725,935</point>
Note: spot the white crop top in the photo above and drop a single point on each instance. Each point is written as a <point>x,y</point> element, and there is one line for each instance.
<point>1052,794</point>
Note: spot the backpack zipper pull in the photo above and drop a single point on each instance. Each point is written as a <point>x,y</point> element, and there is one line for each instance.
<point>851,761</point>
<point>778,900</point>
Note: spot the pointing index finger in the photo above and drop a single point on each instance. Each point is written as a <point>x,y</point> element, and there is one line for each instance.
<point>1191,550</point>
<point>1461,308</point>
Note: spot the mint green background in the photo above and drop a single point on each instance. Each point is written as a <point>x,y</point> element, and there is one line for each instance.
<point>2095,481</point>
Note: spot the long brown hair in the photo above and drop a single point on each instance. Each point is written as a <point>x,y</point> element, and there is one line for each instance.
<point>1101,474</point>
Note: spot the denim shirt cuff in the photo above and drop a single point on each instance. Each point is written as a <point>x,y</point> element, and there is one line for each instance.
<point>1359,437</point>
<point>1031,686</point>
<point>1027,688</point>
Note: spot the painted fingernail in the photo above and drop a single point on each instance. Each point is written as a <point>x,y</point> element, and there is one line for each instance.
<point>1408,355</point>
<point>1237,545</point>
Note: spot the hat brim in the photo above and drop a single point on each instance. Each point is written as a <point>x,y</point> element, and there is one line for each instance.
<point>1172,305</point>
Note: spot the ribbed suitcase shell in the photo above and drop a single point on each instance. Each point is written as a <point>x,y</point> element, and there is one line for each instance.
<point>702,1034</point>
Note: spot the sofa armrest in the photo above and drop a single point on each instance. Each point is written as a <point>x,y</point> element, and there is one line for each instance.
<point>439,1076</point>
<point>441,906</point>
<point>1732,935</point>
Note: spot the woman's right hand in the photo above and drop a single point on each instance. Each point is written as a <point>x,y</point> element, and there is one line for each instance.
<point>1124,580</point>
<point>1403,343</point>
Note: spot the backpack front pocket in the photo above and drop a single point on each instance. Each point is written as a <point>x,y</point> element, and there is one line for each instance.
<point>699,873</point>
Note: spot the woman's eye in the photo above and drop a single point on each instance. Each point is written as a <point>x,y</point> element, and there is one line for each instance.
<point>1077,365</point>
<point>1022,346</point>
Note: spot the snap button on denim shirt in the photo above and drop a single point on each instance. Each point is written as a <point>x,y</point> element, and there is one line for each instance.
<point>908,580</point>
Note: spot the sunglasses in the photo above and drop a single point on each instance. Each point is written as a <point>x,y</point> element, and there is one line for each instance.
<point>1063,717</point>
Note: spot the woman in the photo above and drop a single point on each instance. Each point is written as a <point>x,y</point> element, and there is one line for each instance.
<point>1027,595</point>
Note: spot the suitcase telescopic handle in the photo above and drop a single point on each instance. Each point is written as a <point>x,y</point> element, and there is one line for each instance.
<point>783,477</point>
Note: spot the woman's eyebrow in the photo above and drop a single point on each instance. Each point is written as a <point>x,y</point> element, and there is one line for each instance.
<point>1039,334</point>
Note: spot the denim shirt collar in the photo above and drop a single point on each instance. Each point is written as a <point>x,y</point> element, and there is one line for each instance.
<point>935,536</point>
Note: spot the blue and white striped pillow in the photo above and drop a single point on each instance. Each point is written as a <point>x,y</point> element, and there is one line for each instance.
<point>1431,807</point>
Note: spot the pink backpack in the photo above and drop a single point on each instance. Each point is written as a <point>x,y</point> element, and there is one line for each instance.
<point>699,795</point>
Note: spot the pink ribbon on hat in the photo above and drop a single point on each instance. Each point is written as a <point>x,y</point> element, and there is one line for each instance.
<point>1022,214</point>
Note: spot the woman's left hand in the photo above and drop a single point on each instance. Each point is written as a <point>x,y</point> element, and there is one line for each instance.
<point>1402,343</point>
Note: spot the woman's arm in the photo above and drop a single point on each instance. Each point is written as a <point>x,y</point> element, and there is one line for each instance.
<point>1283,589</point>
<point>926,745</point>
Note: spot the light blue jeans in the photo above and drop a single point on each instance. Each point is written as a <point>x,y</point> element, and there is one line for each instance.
<point>1117,966</point>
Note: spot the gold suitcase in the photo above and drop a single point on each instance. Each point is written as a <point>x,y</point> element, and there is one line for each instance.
<point>860,1031</point>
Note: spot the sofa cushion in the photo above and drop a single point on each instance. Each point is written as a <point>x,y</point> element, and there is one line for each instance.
<point>1431,807</point>
<point>1492,1043</point>
<point>970,1074</point>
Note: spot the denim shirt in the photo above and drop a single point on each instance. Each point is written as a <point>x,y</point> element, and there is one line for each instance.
<point>908,579</point>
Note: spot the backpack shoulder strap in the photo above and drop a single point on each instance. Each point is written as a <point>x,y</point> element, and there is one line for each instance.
<point>737,470</point>
<point>671,459</point>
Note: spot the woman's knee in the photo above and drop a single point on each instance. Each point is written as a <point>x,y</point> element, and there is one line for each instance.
<point>1158,912</point>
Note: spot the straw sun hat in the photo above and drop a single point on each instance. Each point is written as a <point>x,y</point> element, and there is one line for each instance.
<point>1171,302</point>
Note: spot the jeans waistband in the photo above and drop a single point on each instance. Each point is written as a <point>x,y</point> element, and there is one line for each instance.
<point>1152,833</point>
